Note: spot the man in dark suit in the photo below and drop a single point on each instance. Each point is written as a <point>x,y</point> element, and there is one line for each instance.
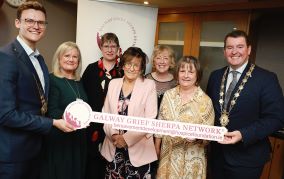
<point>248,101</point>
<point>24,87</point>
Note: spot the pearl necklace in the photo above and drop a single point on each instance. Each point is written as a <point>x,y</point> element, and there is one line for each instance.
<point>224,119</point>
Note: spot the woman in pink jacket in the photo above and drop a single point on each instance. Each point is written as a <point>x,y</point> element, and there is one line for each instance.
<point>130,153</point>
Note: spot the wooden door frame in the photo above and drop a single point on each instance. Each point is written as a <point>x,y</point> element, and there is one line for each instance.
<point>185,18</point>
<point>241,18</point>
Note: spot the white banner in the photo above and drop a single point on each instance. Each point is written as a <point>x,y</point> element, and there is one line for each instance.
<point>80,114</point>
<point>134,25</point>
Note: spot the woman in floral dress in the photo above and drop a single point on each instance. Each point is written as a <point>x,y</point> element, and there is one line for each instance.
<point>184,158</point>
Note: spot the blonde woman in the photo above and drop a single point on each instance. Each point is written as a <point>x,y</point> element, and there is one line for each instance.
<point>163,60</point>
<point>64,154</point>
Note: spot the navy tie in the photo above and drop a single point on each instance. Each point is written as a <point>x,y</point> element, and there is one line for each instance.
<point>44,70</point>
<point>231,88</point>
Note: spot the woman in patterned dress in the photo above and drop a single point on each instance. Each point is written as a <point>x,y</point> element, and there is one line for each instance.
<point>129,153</point>
<point>180,157</point>
<point>163,60</point>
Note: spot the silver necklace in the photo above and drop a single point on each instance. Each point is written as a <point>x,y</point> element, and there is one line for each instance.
<point>78,96</point>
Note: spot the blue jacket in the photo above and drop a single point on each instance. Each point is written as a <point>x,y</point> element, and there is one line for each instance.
<point>21,125</point>
<point>258,112</point>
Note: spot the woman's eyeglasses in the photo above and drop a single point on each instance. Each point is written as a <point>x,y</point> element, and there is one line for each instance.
<point>111,47</point>
<point>135,66</point>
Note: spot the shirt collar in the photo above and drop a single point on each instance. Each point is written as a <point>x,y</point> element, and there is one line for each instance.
<point>240,69</point>
<point>28,50</point>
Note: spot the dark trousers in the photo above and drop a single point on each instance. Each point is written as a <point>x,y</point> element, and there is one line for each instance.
<point>96,167</point>
<point>221,170</point>
<point>20,170</point>
<point>154,169</point>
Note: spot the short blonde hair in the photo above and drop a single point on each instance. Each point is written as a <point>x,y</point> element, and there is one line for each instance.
<point>159,49</point>
<point>66,46</point>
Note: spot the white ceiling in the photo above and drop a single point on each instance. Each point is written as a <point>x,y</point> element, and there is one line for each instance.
<point>171,3</point>
<point>177,3</point>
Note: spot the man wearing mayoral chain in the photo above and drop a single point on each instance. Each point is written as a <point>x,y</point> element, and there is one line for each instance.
<point>248,101</point>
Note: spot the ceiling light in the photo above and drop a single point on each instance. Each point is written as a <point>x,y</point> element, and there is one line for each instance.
<point>146,2</point>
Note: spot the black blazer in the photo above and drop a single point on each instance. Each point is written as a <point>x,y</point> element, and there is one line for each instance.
<point>20,120</point>
<point>258,112</point>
